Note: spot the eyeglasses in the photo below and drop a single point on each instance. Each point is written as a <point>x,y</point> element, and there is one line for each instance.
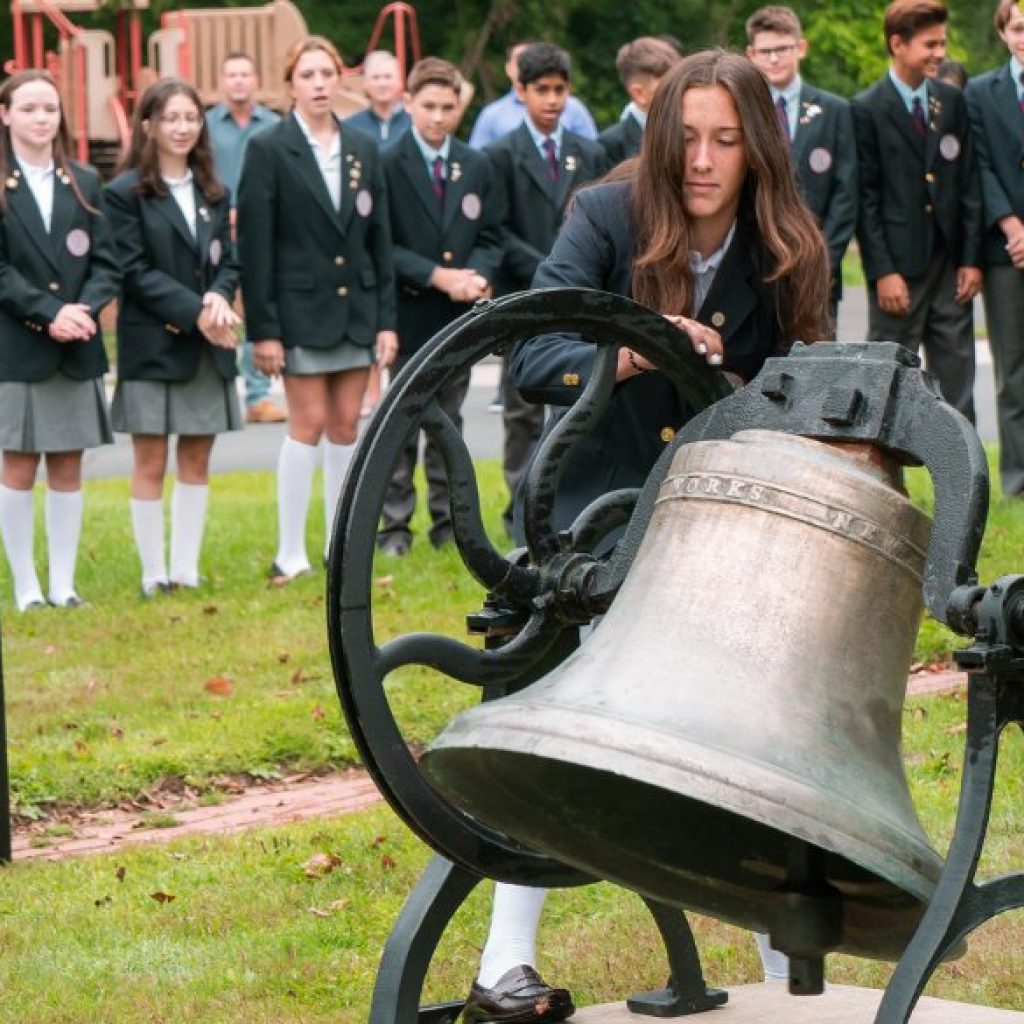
<point>188,120</point>
<point>767,52</point>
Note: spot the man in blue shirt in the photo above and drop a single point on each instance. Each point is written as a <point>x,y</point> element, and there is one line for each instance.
<point>507,114</point>
<point>385,119</point>
<point>231,125</point>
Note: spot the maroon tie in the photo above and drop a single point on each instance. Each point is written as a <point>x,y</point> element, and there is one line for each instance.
<point>437,177</point>
<point>917,116</point>
<point>780,109</point>
<point>549,150</point>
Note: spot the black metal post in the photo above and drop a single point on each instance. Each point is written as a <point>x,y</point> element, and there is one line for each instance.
<point>5,784</point>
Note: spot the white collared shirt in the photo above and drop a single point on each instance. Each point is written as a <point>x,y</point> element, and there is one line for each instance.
<point>329,162</point>
<point>184,195</point>
<point>704,270</point>
<point>1017,69</point>
<point>40,183</point>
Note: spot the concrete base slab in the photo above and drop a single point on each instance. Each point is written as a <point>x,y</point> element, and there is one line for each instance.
<point>840,1004</point>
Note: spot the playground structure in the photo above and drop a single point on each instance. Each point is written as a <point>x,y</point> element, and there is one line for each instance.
<point>101,74</point>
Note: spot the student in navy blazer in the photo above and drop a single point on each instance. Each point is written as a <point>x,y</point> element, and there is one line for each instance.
<point>819,126</point>
<point>318,282</point>
<point>994,106</point>
<point>58,270</point>
<point>447,249</point>
<point>919,223</point>
<point>176,336</point>
<point>680,233</point>
<point>641,65</point>
<point>537,168</point>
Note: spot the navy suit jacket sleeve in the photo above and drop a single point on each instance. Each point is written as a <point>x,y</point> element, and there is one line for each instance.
<point>158,292</point>
<point>257,201</point>
<point>841,216</point>
<point>874,250</point>
<point>20,297</point>
<point>997,203</point>
<point>583,257</point>
<point>520,257</point>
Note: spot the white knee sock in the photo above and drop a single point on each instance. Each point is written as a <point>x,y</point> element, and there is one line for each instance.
<point>148,527</point>
<point>188,517</point>
<point>337,458</point>
<point>295,467</point>
<point>513,937</point>
<point>775,964</point>
<point>17,527</point>
<point>63,528</point>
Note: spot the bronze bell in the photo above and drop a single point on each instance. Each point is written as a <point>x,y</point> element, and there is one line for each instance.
<point>728,738</point>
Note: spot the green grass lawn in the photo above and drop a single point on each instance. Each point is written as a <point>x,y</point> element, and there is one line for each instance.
<point>110,702</point>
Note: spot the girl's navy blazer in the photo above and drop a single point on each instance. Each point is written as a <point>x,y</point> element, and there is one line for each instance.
<point>41,271</point>
<point>167,271</point>
<point>312,275</point>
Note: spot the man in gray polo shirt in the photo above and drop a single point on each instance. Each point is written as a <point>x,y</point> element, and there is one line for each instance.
<point>231,125</point>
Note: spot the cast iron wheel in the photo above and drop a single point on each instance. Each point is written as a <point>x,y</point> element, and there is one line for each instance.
<point>546,591</point>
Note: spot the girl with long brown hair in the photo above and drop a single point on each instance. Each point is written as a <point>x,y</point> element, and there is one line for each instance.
<point>58,269</point>
<point>707,228</point>
<point>176,329</point>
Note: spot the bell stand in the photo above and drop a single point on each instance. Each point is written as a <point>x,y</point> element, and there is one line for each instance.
<point>873,393</point>
<point>995,699</point>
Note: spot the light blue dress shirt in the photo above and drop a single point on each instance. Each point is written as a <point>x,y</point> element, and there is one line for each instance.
<point>908,95</point>
<point>791,94</point>
<point>507,114</point>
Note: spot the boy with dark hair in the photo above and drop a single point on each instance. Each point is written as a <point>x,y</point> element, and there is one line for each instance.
<point>508,112</point>
<point>920,219</point>
<point>641,65</point>
<point>447,251</point>
<point>819,127</point>
<point>994,104</point>
<point>537,168</point>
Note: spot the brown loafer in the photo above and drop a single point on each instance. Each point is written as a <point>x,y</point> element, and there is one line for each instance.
<point>265,411</point>
<point>520,996</point>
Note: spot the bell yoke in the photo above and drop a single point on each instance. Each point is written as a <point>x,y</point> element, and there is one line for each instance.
<point>747,766</point>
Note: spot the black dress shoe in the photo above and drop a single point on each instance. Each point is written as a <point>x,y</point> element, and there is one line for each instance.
<point>520,996</point>
<point>279,578</point>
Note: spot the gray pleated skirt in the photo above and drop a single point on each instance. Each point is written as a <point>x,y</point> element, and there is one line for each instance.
<point>308,362</point>
<point>206,404</point>
<point>54,415</point>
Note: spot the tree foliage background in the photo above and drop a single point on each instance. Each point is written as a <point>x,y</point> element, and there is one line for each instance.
<point>846,46</point>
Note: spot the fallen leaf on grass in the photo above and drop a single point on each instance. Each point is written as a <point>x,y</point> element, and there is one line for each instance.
<point>120,873</point>
<point>283,657</point>
<point>219,686</point>
<point>161,897</point>
<point>117,732</point>
<point>384,581</point>
<point>210,609</point>
<point>298,676</point>
<point>81,747</point>
<point>388,862</point>
<point>954,729</point>
<point>332,908</point>
<point>378,840</point>
<point>320,864</point>
<point>317,713</point>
